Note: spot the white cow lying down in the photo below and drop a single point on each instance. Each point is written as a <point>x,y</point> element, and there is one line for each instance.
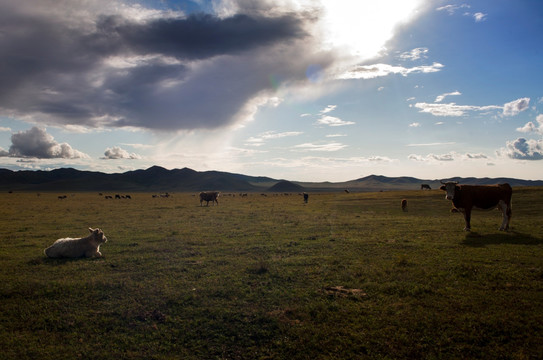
<point>81,247</point>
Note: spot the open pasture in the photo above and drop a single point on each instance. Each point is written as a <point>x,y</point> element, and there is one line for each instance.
<point>345,276</point>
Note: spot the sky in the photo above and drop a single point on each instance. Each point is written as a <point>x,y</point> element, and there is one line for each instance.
<point>304,90</point>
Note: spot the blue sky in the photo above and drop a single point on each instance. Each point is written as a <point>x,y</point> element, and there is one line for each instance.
<point>300,90</point>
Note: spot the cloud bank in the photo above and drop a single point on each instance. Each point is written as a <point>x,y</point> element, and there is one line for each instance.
<point>111,63</point>
<point>530,127</point>
<point>89,65</point>
<point>37,143</point>
<point>522,149</point>
<point>452,109</point>
<point>379,70</point>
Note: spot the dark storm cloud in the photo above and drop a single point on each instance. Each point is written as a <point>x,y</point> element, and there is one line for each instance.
<point>165,73</point>
<point>200,36</point>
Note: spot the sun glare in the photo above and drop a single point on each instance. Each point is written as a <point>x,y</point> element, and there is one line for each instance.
<point>363,27</point>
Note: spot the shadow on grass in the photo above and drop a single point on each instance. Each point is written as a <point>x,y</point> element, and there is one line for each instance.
<point>60,261</point>
<point>512,237</point>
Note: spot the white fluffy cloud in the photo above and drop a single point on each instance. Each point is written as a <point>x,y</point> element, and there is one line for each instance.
<point>333,121</point>
<point>523,149</point>
<point>432,157</point>
<point>328,109</point>
<point>452,109</point>
<point>119,153</point>
<point>379,70</point>
<point>441,97</point>
<point>451,156</point>
<point>451,9</point>
<point>320,147</point>
<point>415,54</point>
<point>530,127</point>
<point>514,107</point>
<point>36,142</point>
<point>479,16</point>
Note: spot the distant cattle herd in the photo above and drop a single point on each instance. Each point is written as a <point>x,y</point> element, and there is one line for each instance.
<point>463,197</point>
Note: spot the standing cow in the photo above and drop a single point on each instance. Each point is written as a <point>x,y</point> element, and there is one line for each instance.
<point>486,197</point>
<point>425,187</point>
<point>208,196</point>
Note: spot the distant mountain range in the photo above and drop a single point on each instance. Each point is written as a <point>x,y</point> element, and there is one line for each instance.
<point>158,179</point>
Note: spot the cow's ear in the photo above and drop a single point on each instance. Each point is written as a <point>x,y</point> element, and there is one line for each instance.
<point>442,187</point>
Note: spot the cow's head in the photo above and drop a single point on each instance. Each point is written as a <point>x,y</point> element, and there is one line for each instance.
<point>98,235</point>
<point>450,188</point>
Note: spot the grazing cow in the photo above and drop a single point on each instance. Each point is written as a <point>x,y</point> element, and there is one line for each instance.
<point>117,196</point>
<point>209,196</point>
<point>404,205</point>
<point>486,197</point>
<point>306,197</point>
<point>62,197</point>
<point>425,187</point>
<point>346,191</point>
<point>80,247</point>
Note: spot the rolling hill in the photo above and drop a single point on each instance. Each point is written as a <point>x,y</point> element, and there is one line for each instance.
<point>159,179</point>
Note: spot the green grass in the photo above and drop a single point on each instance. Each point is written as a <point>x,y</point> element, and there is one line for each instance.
<point>251,278</point>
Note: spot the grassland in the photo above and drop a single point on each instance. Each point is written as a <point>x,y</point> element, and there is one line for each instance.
<point>346,276</point>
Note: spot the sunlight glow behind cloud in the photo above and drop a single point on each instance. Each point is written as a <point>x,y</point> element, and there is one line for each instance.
<point>363,27</point>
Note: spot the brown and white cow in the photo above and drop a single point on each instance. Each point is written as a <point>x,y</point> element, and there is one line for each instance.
<point>209,196</point>
<point>486,197</point>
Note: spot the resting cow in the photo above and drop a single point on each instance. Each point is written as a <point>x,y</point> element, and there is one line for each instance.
<point>80,247</point>
<point>486,197</point>
<point>209,196</point>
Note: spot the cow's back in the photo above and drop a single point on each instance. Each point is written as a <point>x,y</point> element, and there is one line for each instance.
<point>486,196</point>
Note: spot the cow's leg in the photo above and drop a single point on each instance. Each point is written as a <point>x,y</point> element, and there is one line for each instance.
<point>509,213</point>
<point>506,212</point>
<point>93,253</point>
<point>467,218</point>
